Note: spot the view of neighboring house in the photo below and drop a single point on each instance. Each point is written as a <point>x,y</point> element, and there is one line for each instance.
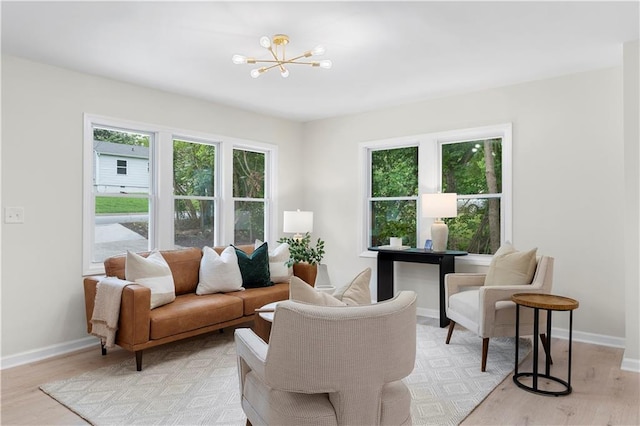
<point>120,167</point>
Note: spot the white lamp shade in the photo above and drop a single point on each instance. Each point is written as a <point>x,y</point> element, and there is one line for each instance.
<point>298,222</point>
<point>440,205</point>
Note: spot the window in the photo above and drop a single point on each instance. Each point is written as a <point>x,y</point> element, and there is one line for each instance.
<point>473,170</point>
<point>194,192</point>
<point>394,195</point>
<point>474,163</point>
<point>122,167</point>
<point>120,201</point>
<point>149,187</point>
<point>249,178</point>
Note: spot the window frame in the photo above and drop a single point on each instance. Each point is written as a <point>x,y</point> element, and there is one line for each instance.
<point>430,174</point>
<point>216,143</point>
<point>270,220</point>
<point>123,167</point>
<point>161,224</point>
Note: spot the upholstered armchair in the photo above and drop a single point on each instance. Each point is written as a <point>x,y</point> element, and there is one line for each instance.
<point>488,310</point>
<point>330,365</point>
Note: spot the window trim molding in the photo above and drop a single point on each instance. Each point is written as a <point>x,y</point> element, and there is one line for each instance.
<point>160,166</point>
<point>429,180</point>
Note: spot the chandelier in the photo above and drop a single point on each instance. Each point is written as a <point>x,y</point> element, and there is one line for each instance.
<point>276,46</point>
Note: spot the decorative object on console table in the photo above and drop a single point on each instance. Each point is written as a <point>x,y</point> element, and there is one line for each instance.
<point>304,258</point>
<point>439,206</point>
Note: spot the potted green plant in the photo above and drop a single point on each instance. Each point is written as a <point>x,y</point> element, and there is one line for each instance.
<point>303,257</point>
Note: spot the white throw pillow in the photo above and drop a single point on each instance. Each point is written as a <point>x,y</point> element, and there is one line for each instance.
<point>300,291</point>
<point>219,273</point>
<point>357,292</point>
<point>152,272</point>
<point>511,267</point>
<point>278,271</point>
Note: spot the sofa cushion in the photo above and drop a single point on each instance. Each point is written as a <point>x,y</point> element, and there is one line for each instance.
<point>190,312</point>
<point>357,292</point>
<point>278,257</point>
<point>254,267</point>
<point>219,273</point>
<point>152,272</point>
<point>184,264</point>
<point>511,267</point>
<point>300,291</point>
<point>254,298</point>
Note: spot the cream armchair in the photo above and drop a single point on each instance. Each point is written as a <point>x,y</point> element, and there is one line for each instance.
<point>488,310</point>
<point>328,365</point>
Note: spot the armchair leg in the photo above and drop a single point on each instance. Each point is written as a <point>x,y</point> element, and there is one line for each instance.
<point>104,349</point>
<point>452,325</point>
<point>138,360</point>
<point>545,345</point>
<point>485,349</point>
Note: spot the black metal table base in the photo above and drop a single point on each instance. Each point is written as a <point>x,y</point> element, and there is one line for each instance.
<point>567,388</point>
<point>534,374</point>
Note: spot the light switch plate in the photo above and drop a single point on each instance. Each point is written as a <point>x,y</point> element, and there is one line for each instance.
<point>14,215</point>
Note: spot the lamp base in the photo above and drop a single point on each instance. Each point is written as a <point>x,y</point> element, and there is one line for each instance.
<point>439,235</point>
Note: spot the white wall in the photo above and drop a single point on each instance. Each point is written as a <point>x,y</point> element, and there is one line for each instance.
<point>568,187</point>
<point>631,75</point>
<point>568,182</point>
<point>42,125</point>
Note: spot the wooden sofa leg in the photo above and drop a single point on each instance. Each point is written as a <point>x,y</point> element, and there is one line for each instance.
<point>545,345</point>
<point>485,349</point>
<point>139,360</point>
<point>452,325</point>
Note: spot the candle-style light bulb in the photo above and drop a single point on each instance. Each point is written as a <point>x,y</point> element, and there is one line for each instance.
<point>284,73</point>
<point>318,50</point>
<point>239,59</point>
<point>326,64</point>
<point>255,73</point>
<point>265,42</point>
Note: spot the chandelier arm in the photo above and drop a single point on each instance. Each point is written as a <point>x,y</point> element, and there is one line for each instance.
<point>276,65</point>
<point>282,69</point>
<point>296,58</point>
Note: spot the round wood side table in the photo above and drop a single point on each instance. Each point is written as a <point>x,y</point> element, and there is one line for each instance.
<point>550,303</point>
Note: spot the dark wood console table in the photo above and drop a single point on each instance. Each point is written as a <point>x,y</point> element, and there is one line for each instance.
<point>386,257</point>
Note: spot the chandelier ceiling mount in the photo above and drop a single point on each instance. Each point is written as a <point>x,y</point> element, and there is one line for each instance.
<point>276,46</point>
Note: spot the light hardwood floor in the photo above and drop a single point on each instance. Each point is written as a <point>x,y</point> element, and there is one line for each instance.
<point>602,393</point>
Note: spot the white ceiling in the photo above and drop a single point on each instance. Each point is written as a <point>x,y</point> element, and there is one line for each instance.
<point>383,53</point>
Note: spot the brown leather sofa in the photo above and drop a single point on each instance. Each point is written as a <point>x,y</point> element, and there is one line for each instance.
<point>188,315</point>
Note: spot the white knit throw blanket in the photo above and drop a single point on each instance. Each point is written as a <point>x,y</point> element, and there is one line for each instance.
<point>106,309</point>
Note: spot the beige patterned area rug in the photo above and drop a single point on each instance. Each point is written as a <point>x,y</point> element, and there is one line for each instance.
<point>195,382</point>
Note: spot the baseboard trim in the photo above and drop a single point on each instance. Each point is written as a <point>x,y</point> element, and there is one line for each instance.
<point>584,337</point>
<point>628,364</point>
<point>47,352</point>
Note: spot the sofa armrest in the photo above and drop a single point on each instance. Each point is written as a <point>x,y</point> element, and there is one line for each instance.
<point>490,295</point>
<point>135,316</point>
<point>90,286</point>
<point>252,354</point>
<point>135,312</point>
<point>457,282</point>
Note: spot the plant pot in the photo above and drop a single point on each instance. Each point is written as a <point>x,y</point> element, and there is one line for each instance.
<point>306,272</point>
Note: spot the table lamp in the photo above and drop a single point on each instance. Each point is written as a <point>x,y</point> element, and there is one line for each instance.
<point>297,222</point>
<point>438,206</point>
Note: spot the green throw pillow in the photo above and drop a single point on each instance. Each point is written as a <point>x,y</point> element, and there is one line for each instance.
<point>254,268</point>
